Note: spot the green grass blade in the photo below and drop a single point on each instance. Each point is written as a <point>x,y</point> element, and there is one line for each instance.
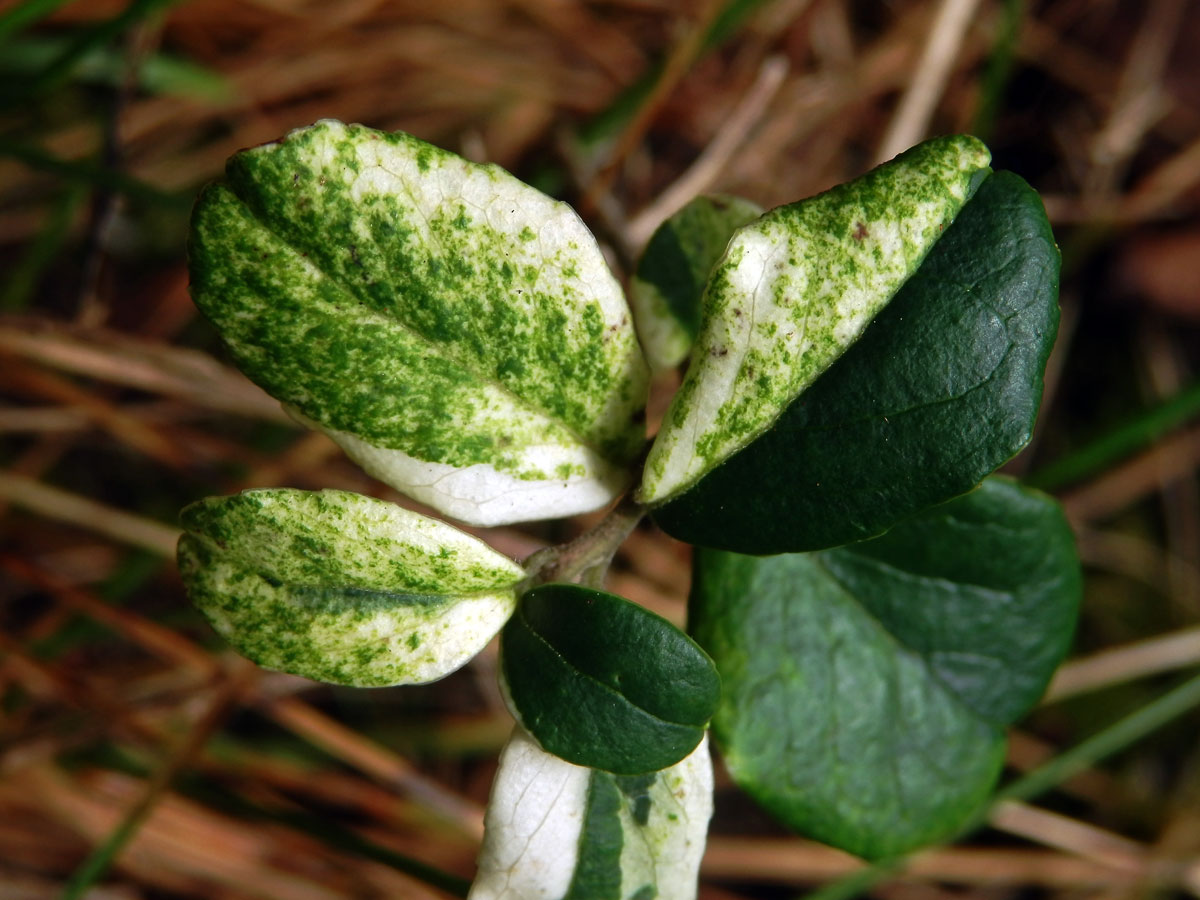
<point>84,42</point>
<point>159,73</point>
<point>94,867</point>
<point>1134,434</point>
<point>24,276</point>
<point>92,174</point>
<point>999,67</point>
<point>1116,737</point>
<point>102,857</point>
<point>610,121</point>
<point>24,14</point>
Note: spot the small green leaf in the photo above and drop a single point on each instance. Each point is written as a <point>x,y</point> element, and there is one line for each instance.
<point>794,289</point>
<point>454,330</point>
<point>669,282</point>
<point>557,830</point>
<point>343,588</point>
<point>603,682</point>
<point>866,688</point>
<point>942,389</point>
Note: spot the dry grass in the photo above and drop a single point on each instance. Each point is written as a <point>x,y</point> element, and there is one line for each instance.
<point>118,709</point>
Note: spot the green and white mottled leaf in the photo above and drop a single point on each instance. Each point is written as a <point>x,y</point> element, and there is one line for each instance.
<point>794,289</point>
<point>602,682</point>
<point>455,330</point>
<point>865,689</point>
<point>942,389</point>
<point>668,284</point>
<point>343,588</point>
<point>557,831</point>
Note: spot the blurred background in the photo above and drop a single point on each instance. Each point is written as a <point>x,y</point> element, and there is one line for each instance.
<point>140,759</point>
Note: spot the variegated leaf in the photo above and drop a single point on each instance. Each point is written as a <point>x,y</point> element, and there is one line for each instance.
<point>343,588</point>
<point>557,831</point>
<point>455,330</point>
<point>794,289</point>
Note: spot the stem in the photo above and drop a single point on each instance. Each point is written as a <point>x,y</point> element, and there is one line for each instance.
<point>590,554</point>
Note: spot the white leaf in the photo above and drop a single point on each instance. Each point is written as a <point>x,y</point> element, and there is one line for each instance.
<point>553,827</point>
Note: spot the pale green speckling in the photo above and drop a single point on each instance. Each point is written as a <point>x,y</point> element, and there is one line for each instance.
<point>793,291</point>
<point>542,842</point>
<point>433,315</point>
<point>343,588</point>
<point>667,285</point>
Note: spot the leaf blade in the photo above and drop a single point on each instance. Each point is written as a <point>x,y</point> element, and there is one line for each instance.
<point>794,289</point>
<point>554,829</point>
<point>668,284</point>
<point>602,682</point>
<point>942,388</point>
<point>837,713</point>
<point>342,588</point>
<point>959,559</point>
<point>443,314</point>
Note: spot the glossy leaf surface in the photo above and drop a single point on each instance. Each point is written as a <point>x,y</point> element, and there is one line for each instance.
<point>455,330</point>
<point>866,688</point>
<point>603,682</point>
<point>942,389</point>
<point>343,588</point>
<point>669,281</point>
<point>794,289</point>
<point>556,830</point>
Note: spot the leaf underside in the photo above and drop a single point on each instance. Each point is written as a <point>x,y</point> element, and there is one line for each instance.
<point>941,389</point>
<point>866,688</point>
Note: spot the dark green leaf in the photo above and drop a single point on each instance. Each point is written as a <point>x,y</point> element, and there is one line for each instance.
<point>866,688</point>
<point>942,388</point>
<point>793,290</point>
<point>602,682</point>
